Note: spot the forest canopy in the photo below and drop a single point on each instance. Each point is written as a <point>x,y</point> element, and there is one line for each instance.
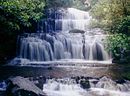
<point>17,14</point>
<point>112,14</point>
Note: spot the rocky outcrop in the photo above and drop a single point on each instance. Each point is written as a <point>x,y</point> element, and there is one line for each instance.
<point>20,86</point>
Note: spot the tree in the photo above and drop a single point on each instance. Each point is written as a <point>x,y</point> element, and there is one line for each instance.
<point>111,13</point>
<point>79,4</point>
<point>118,44</point>
<point>16,16</point>
<point>114,16</point>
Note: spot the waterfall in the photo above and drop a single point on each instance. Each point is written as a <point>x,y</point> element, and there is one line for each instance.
<point>48,47</point>
<point>64,35</point>
<point>64,20</point>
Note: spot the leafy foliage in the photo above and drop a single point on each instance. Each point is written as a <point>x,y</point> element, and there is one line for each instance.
<point>114,16</point>
<point>112,13</point>
<point>68,3</point>
<point>121,25</point>
<point>118,44</point>
<point>15,14</point>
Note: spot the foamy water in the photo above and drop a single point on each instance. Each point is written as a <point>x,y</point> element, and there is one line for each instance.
<point>68,87</point>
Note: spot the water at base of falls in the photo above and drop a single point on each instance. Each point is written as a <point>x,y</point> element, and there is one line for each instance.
<point>96,87</point>
<point>55,88</point>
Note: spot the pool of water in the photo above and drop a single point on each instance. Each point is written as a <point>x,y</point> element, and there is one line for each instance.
<point>91,70</point>
<point>56,77</point>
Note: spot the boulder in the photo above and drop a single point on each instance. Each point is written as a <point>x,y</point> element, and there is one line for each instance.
<point>85,84</point>
<point>106,83</point>
<point>20,86</point>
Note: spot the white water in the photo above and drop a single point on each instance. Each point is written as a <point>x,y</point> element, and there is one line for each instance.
<point>64,20</point>
<point>70,39</point>
<point>68,87</point>
<point>63,46</point>
<point>75,19</point>
<point>105,92</point>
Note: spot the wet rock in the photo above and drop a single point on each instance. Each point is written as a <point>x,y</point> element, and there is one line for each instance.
<point>76,31</point>
<point>85,84</point>
<point>93,82</point>
<point>77,79</point>
<point>121,81</point>
<point>17,61</point>
<point>40,81</point>
<point>119,61</point>
<point>50,68</point>
<point>19,86</point>
<point>106,83</point>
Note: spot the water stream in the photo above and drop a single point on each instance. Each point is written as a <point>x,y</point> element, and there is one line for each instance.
<point>63,35</point>
<point>63,39</point>
<point>71,87</point>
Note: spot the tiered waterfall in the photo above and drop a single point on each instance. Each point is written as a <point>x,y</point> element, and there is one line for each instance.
<point>64,34</point>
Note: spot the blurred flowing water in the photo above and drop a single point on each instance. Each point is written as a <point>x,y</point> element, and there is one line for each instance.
<point>64,47</point>
<point>70,87</point>
<point>63,35</point>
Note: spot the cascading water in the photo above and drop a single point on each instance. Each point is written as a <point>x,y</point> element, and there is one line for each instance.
<point>96,87</point>
<point>64,35</point>
<point>62,87</point>
<point>64,20</point>
<point>64,38</point>
<point>62,46</point>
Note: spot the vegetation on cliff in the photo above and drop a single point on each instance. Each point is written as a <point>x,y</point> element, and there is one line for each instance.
<point>17,16</point>
<point>114,16</point>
